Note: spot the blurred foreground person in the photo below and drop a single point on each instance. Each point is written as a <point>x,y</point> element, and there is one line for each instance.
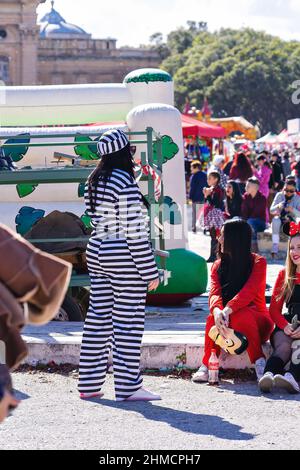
<point>33,285</point>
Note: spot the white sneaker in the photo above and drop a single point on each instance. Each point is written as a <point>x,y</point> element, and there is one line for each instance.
<point>141,395</point>
<point>260,366</point>
<point>201,376</point>
<point>287,382</point>
<point>266,383</point>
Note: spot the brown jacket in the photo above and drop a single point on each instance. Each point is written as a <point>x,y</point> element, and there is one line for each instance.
<point>33,285</point>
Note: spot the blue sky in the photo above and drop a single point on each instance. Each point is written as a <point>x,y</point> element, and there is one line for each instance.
<point>133,21</point>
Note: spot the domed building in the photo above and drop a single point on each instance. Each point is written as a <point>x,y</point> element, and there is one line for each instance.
<point>54,26</point>
<point>54,51</point>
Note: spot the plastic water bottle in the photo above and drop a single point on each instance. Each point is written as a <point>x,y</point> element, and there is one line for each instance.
<point>213,369</point>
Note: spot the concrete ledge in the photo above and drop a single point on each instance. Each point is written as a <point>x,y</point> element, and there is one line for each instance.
<point>60,343</point>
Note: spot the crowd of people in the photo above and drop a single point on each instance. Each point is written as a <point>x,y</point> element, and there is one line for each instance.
<point>262,188</point>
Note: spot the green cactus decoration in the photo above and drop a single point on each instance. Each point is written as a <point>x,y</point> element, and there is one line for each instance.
<point>85,151</point>
<point>26,218</point>
<point>17,153</point>
<point>169,149</point>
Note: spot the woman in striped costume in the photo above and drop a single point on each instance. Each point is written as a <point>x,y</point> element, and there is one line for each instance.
<point>122,269</point>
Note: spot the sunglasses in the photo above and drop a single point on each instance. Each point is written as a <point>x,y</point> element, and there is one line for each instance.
<point>288,191</point>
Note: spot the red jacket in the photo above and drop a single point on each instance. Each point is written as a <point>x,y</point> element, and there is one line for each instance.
<point>251,295</point>
<point>277,305</point>
<point>254,208</point>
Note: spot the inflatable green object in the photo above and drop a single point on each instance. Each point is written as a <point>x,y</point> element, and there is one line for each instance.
<point>188,279</point>
<point>147,76</point>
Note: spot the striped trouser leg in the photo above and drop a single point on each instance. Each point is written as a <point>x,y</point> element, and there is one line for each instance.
<point>97,336</point>
<point>128,318</point>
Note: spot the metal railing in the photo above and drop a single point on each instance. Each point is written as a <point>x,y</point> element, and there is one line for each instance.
<point>78,174</point>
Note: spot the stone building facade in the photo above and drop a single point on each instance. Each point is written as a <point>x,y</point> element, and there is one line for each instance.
<point>57,52</point>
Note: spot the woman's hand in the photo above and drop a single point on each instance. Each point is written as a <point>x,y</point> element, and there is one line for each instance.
<point>296,334</point>
<point>8,401</point>
<point>289,330</point>
<point>208,192</point>
<point>153,285</point>
<point>221,322</point>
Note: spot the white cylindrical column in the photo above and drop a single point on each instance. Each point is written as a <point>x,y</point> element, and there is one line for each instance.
<point>150,86</point>
<point>167,121</point>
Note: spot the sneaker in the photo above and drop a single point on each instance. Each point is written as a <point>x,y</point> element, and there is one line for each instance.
<point>266,383</point>
<point>260,366</point>
<point>287,382</point>
<point>141,395</point>
<point>201,376</point>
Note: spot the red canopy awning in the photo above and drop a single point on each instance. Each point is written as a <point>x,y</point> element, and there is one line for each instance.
<point>193,127</point>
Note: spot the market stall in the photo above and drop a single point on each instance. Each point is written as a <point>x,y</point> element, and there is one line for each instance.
<point>199,138</point>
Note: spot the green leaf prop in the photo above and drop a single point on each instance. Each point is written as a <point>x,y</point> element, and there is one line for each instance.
<point>86,220</point>
<point>26,218</point>
<point>24,190</point>
<point>172,213</point>
<point>17,153</point>
<point>86,151</point>
<point>81,188</point>
<point>169,149</point>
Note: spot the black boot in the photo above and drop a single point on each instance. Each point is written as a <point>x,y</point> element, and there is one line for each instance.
<point>213,250</point>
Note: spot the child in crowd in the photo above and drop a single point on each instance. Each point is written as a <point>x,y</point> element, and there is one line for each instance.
<point>213,214</point>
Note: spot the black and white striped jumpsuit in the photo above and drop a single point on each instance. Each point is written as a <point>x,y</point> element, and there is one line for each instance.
<point>121,264</point>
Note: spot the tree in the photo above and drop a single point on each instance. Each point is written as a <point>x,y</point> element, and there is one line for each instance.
<point>158,44</point>
<point>241,72</point>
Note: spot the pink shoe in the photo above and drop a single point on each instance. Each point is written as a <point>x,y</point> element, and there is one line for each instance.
<point>91,395</point>
<point>141,395</point>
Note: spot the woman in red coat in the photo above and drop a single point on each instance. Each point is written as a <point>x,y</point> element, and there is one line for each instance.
<point>237,296</point>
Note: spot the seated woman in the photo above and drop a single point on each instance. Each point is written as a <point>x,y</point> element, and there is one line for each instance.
<point>233,202</point>
<point>237,296</point>
<point>286,336</point>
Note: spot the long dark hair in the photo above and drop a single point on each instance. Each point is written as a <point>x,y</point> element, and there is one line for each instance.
<point>243,166</point>
<point>266,162</point>
<point>237,197</point>
<point>121,160</point>
<point>236,260</point>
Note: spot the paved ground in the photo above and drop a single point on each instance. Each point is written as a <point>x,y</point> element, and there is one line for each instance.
<point>190,416</point>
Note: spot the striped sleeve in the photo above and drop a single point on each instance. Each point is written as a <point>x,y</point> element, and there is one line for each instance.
<point>134,227</point>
